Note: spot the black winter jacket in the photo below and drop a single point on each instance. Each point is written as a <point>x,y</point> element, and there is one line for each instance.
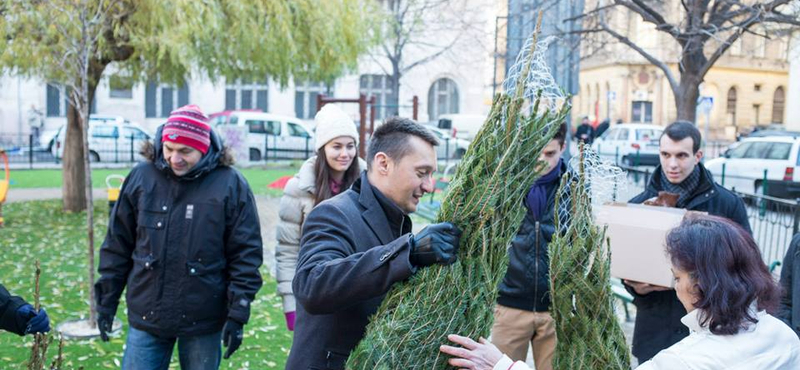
<point>658,314</point>
<point>8,312</point>
<point>526,285</point>
<point>354,247</point>
<point>790,282</point>
<point>188,248</point>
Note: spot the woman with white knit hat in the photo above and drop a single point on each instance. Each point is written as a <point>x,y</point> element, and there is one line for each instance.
<point>331,171</point>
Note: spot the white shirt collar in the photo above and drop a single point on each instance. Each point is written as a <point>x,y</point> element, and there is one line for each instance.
<point>692,319</point>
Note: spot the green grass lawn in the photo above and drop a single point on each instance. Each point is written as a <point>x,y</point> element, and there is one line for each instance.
<point>257,177</point>
<point>39,230</point>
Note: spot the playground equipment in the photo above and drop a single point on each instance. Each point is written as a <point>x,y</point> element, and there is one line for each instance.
<point>4,184</point>
<point>113,191</point>
<point>363,104</point>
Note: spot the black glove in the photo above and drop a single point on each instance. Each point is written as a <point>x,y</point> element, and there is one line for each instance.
<point>104,325</point>
<point>436,244</point>
<point>232,335</point>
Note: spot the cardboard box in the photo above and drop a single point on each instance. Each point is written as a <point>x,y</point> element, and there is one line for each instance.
<point>637,236</point>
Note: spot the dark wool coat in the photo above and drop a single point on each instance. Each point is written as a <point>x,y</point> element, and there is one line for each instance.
<point>354,247</point>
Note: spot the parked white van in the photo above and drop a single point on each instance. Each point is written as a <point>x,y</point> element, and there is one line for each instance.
<point>271,135</point>
<point>464,126</point>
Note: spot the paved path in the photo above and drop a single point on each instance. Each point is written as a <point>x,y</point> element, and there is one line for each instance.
<point>24,195</point>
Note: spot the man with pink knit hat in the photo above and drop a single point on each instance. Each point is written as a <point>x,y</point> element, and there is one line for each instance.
<point>184,237</point>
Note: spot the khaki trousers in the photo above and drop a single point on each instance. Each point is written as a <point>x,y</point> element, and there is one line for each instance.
<point>513,329</point>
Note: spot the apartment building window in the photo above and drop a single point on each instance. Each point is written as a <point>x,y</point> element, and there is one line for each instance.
<point>778,103</point>
<point>730,106</point>
<point>161,99</point>
<point>58,101</point>
<point>379,86</point>
<point>305,98</point>
<point>642,112</point>
<point>442,98</point>
<point>757,113</point>
<point>120,87</point>
<point>246,94</point>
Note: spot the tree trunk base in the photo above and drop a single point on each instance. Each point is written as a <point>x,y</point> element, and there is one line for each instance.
<point>83,329</point>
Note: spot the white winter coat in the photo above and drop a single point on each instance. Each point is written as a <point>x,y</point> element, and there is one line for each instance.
<point>767,345</point>
<point>296,203</point>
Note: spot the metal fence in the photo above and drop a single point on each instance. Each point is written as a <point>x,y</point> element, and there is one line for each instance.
<point>773,220</point>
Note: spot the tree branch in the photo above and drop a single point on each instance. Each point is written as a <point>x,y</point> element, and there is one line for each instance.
<point>673,83</point>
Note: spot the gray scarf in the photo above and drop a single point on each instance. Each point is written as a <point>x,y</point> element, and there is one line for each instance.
<point>685,189</point>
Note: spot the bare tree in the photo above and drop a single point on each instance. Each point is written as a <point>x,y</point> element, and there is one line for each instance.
<point>703,30</point>
<point>416,32</point>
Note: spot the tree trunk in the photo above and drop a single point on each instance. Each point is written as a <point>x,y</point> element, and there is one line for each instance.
<point>73,169</point>
<point>686,101</point>
<point>96,69</point>
<point>393,108</point>
<point>692,62</point>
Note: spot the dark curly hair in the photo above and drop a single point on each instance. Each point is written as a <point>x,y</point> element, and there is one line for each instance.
<point>725,265</point>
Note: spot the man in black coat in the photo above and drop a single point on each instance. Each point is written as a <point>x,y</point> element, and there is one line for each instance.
<point>522,315</point>
<point>184,237</point>
<point>585,132</point>
<point>19,317</point>
<point>658,310</point>
<point>356,245</point>
<point>790,282</point>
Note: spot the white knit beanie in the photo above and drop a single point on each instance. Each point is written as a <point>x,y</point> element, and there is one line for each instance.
<point>332,122</point>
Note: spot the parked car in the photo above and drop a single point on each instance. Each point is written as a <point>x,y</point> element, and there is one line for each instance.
<point>449,147</point>
<point>48,138</point>
<point>270,134</point>
<point>463,126</point>
<point>111,139</point>
<point>221,118</point>
<point>631,144</point>
<point>747,163</point>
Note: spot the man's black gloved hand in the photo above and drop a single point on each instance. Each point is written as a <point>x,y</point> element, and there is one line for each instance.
<point>436,244</point>
<point>232,335</point>
<point>104,323</point>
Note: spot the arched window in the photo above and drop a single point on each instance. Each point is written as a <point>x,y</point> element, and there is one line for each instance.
<point>730,107</point>
<point>442,98</point>
<point>778,103</point>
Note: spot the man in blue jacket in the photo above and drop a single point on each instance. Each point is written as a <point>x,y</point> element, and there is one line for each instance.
<point>658,310</point>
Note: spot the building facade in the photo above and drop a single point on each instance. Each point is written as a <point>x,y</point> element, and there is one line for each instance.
<point>745,88</point>
<point>459,82</point>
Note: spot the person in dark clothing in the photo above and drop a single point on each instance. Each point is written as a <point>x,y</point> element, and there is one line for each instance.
<point>789,310</point>
<point>19,317</point>
<point>184,237</point>
<point>658,310</point>
<point>585,131</point>
<point>522,314</point>
<point>356,245</point>
<point>601,128</point>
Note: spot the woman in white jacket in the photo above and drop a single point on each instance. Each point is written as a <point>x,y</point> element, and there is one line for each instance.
<point>727,291</point>
<point>336,143</point>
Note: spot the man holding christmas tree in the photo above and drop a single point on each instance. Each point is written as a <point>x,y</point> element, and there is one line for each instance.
<point>356,245</point>
<point>522,313</point>
<point>658,310</point>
